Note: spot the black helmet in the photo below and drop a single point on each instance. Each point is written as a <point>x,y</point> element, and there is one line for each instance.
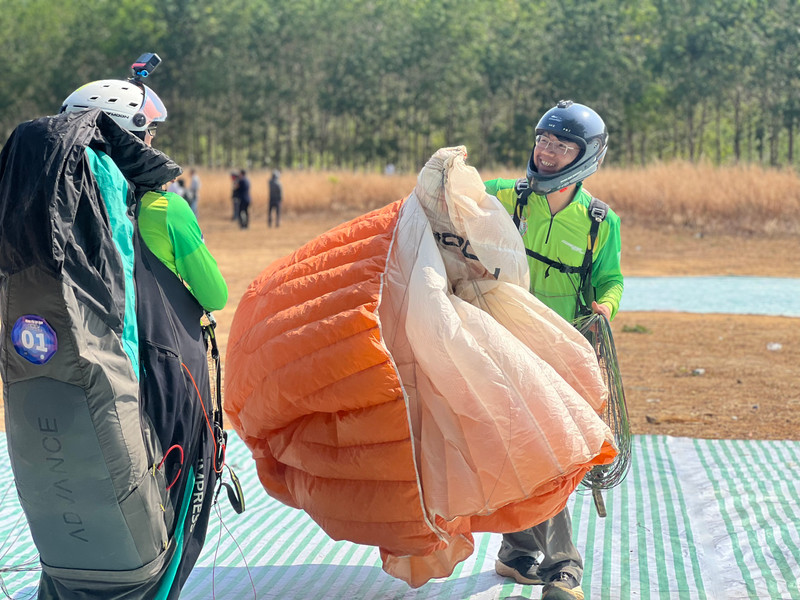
<point>580,124</point>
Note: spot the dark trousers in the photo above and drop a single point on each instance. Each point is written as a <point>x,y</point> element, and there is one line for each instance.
<point>553,538</point>
<point>244,214</point>
<point>277,209</point>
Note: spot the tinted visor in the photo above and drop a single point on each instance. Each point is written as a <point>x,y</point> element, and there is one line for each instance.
<point>152,107</point>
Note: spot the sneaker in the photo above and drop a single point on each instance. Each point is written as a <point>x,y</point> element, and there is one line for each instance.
<point>523,569</point>
<point>563,587</point>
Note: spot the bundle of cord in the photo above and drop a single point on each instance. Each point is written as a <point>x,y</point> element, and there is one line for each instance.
<point>597,330</point>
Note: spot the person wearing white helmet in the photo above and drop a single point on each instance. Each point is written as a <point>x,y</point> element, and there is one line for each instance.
<point>166,222</point>
<point>132,104</point>
<point>176,280</point>
<point>573,245</point>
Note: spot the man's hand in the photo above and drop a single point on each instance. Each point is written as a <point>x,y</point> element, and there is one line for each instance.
<point>602,309</point>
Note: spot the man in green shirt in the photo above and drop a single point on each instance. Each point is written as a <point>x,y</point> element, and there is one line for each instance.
<point>171,232</point>
<point>554,214</point>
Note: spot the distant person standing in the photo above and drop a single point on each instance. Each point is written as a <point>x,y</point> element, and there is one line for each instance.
<point>243,192</point>
<point>235,195</point>
<point>177,186</point>
<point>193,193</point>
<point>275,198</point>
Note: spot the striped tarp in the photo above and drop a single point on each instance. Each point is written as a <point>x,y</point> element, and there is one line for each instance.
<point>705,519</point>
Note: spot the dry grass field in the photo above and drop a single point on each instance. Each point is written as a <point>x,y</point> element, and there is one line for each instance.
<point>744,200</point>
<point>677,220</point>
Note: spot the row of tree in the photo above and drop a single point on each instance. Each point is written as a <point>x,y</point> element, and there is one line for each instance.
<point>363,83</point>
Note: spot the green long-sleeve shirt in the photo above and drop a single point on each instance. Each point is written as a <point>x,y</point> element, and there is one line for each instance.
<point>170,230</point>
<point>564,237</point>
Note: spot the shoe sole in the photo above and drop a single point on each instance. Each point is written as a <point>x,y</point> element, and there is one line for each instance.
<point>556,592</point>
<point>504,570</point>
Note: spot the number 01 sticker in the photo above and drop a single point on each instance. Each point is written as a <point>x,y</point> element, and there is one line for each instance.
<point>34,339</point>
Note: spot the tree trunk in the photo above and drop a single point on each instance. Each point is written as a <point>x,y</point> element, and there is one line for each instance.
<point>760,142</point>
<point>718,145</point>
<point>643,148</point>
<point>701,129</point>
<point>629,144</point>
<point>322,148</point>
<point>290,141</point>
<point>266,140</point>
<point>211,146</point>
<point>774,138</point>
<point>737,126</point>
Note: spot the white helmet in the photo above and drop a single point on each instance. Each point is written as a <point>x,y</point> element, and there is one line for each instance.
<point>133,105</point>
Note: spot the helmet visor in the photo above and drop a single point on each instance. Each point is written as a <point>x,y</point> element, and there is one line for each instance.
<point>152,107</point>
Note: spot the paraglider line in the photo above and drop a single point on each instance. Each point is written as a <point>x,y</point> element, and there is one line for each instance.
<point>208,421</point>
<point>216,555</point>
<point>30,564</point>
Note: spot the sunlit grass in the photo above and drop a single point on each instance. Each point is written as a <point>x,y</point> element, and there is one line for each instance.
<point>744,199</point>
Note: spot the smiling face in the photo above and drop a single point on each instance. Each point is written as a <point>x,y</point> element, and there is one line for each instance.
<point>551,154</point>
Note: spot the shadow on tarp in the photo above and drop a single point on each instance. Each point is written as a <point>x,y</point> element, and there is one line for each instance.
<point>29,592</point>
<point>336,582</point>
<point>321,582</point>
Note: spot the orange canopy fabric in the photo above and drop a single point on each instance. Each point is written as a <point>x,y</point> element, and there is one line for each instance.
<point>394,379</point>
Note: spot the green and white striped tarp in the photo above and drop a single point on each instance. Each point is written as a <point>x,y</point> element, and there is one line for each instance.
<point>705,519</point>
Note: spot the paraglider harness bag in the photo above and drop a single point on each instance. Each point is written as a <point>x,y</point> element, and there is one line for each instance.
<point>597,213</point>
<point>116,449</point>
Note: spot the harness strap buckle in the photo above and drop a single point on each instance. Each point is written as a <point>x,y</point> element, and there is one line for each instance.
<point>598,210</point>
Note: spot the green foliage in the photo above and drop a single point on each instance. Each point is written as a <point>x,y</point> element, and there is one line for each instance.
<point>361,83</point>
<point>635,329</point>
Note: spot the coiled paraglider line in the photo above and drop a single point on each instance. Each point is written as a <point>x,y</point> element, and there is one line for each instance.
<point>596,329</point>
<point>9,547</point>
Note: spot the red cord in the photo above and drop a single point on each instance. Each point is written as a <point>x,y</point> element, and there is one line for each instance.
<point>208,421</point>
<point>178,446</point>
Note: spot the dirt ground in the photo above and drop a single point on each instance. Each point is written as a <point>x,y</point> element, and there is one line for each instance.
<point>742,389</point>
<point>703,376</point>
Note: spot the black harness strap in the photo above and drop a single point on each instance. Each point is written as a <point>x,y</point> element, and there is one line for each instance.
<point>234,489</point>
<point>523,191</point>
<point>597,213</point>
<point>556,264</point>
<point>210,337</point>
